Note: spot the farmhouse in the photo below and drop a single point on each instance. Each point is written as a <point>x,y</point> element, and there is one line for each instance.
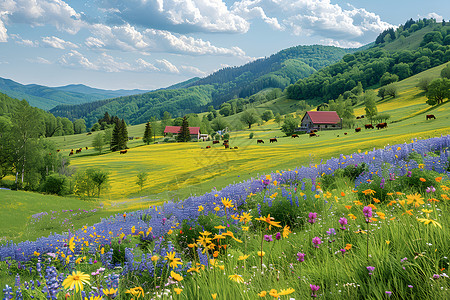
<point>320,120</point>
<point>175,130</point>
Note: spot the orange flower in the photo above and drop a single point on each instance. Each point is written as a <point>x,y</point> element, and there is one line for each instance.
<point>352,216</point>
<point>373,206</point>
<point>422,179</point>
<point>409,212</point>
<point>392,202</point>
<point>380,215</point>
<point>368,192</point>
<point>348,206</point>
<point>357,202</point>
<point>399,193</point>
<point>389,194</point>
<point>445,197</point>
<point>376,200</point>
<point>433,200</point>
<point>438,179</point>
<point>268,220</point>
<point>342,194</point>
<point>348,247</point>
<point>392,219</point>
<point>354,191</point>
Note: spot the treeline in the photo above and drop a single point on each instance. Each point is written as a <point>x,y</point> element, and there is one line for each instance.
<point>139,109</point>
<point>52,126</point>
<point>373,67</point>
<point>276,71</point>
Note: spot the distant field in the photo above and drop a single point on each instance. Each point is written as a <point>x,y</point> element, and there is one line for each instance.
<point>177,170</point>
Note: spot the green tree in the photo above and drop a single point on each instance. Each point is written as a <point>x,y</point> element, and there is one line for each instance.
<point>99,142</point>
<point>225,109</point>
<point>438,91</point>
<point>423,83</point>
<point>391,90</point>
<point>278,118</point>
<point>184,134</point>
<point>67,126</point>
<point>445,73</point>
<point>267,115</point>
<point>219,123</point>
<point>249,118</point>
<point>369,99</point>
<point>6,150</point>
<point>123,135</point>
<point>116,137</point>
<point>99,178</point>
<point>148,135</point>
<point>289,125</point>
<point>79,126</point>
<point>141,178</point>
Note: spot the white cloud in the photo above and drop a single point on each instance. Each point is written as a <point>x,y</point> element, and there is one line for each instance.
<point>40,60</point>
<point>179,16</point>
<point>433,15</point>
<point>315,17</point>
<point>167,66</point>
<point>42,12</point>
<point>76,59</point>
<point>3,33</point>
<point>193,70</point>
<point>128,38</point>
<point>57,43</point>
<point>143,65</point>
<point>341,43</point>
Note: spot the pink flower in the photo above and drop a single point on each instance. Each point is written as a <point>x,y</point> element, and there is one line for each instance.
<point>316,241</point>
<point>300,257</point>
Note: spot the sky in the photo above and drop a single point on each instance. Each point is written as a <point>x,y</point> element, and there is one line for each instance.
<point>150,44</point>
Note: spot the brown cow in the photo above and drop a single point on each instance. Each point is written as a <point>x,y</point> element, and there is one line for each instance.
<point>260,142</point>
<point>208,147</point>
<point>226,141</point>
<point>86,148</point>
<point>358,129</point>
<point>78,151</point>
<point>71,153</point>
<point>123,151</point>
<point>312,134</point>
<point>368,126</point>
<point>58,150</point>
<point>381,125</point>
<point>215,142</point>
<point>227,146</point>
<point>345,133</point>
<point>431,117</point>
<point>294,136</point>
<point>357,118</point>
<point>273,140</point>
<point>89,133</point>
<point>235,147</point>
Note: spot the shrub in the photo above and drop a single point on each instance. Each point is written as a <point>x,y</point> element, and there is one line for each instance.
<point>329,182</point>
<point>226,136</point>
<point>251,135</point>
<point>56,184</point>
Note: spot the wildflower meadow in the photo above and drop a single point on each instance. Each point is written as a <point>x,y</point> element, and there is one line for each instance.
<point>367,225</point>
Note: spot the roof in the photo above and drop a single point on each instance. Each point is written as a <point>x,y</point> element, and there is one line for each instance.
<point>323,117</point>
<point>176,129</point>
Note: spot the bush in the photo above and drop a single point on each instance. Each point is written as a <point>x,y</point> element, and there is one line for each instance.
<point>329,182</point>
<point>56,184</point>
<point>226,136</point>
<point>251,135</point>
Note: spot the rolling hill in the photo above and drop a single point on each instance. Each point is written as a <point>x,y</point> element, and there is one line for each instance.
<point>45,97</point>
<point>195,95</point>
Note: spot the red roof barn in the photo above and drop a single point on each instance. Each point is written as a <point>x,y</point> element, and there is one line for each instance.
<point>175,130</point>
<point>321,120</point>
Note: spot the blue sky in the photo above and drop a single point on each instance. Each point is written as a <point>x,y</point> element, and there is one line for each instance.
<point>149,44</point>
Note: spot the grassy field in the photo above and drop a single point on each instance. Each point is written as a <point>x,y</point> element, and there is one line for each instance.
<point>177,171</point>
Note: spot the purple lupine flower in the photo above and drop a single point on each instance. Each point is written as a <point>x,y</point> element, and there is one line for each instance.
<point>268,238</point>
<point>278,236</point>
<point>314,289</point>
<point>316,241</point>
<point>388,293</point>
<point>436,276</point>
<point>370,269</point>
<point>343,221</point>
<point>343,251</point>
<point>391,176</point>
<point>382,183</point>
<point>300,256</point>
<point>409,174</point>
<point>367,211</point>
<point>312,217</point>
<point>410,286</point>
<point>331,231</point>
<point>430,189</point>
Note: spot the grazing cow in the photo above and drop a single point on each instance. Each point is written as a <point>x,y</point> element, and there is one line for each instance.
<point>312,134</point>
<point>273,140</point>
<point>358,129</point>
<point>357,118</point>
<point>226,141</point>
<point>123,151</point>
<point>314,130</point>
<point>89,133</point>
<point>86,148</point>
<point>294,136</point>
<point>58,150</point>
<point>208,147</point>
<point>260,142</point>
<point>235,147</point>
<point>431,117</point>
<point>215,142</point>
<point>227,146</point>
<point>381,125</point>
<point>362,117</point>
<point>368,126</point>
<point>71,153</point>
<point>78,151</point>
<point>345,133</point>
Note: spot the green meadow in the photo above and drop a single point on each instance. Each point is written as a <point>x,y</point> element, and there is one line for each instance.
<point>177,171</point>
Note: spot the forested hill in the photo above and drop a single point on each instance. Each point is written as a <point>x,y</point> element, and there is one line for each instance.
<point>45,97</point>
<point>410,49</point>
<point>276,71</point>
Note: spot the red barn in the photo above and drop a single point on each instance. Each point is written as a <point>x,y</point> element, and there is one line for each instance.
<point>321,120</point>
<point>175,130</point>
